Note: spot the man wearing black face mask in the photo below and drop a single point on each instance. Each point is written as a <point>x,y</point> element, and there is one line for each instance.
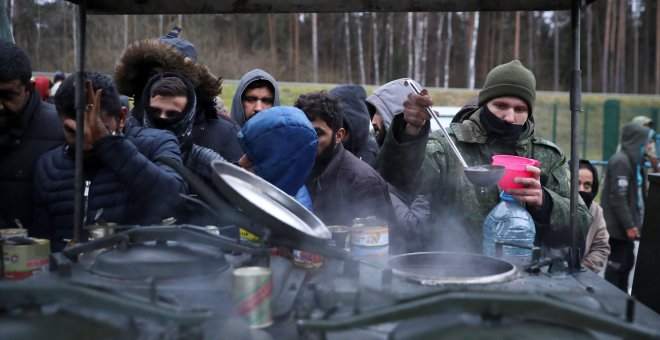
<point>597,245</point>
<point>502,124</point>
<point>342,186</point>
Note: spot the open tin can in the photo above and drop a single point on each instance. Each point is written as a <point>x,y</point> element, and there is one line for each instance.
<point>252,290</point>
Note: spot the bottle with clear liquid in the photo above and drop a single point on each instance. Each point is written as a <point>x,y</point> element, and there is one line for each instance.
<point>509,221</point>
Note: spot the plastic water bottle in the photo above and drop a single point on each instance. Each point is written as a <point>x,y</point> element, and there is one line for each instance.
<point>509,222</point>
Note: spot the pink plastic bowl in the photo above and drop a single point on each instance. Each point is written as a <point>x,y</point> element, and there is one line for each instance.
<point>515,167</point>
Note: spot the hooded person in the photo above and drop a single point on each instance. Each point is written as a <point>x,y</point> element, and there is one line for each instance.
<point>622,203</point>
<point>42,84</point>
<point>597,247</point>
<point>418,162</point>
<point>161,90</point>
<point>356,123</point>
<point>280,146</point>
<point>143,59</point>
<point>243,107</point>
<point>385,103</point>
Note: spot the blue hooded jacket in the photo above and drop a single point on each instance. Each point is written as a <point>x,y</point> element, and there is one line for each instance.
<point>281,144</point>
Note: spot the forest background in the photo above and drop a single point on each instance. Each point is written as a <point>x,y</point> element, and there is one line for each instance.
<point>447,51</point>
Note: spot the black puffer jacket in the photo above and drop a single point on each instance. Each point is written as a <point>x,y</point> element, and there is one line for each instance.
<point>37,131</point>
<point>210,131</point>
<point>348,188</point>
<point>357,122</point>
<point>126,184</point>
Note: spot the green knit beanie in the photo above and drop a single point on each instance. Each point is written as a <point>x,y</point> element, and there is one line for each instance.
<point>509,80</point>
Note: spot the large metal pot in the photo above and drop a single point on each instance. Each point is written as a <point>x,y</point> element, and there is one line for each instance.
<point>438,268</point>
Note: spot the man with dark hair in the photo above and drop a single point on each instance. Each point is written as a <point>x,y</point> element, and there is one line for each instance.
<point>143,59</point>
<point>125,180</point>
<point>342,186</point>
<point>171,106</point>
<point>26,132</point>
<point>257,91</point>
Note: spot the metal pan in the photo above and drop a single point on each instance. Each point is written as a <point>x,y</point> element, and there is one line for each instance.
<point>439,268</point>
<point>265,203</point>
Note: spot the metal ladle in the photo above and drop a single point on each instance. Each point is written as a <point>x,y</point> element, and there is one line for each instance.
<point>480,175</point>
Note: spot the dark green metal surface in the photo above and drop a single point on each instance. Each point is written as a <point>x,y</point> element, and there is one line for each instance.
<point>611,118</point>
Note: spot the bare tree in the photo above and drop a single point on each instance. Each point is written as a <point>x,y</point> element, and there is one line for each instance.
<point>555,68</point>
<point>516,39</point>
<point>438,54</point>
<point>619,76</point>
<point>347,37</point>
<point>315,49</point>
<point>296,46</point>
<point>530,40</point>
<point>411,54</point>
<point>450,41</point>
<point>272,39</point>
<point>376,54</point>
<point>472,47</point>
<point>418,46</point>
<point>589,24</point>
<point>606,46</point>
<point>358,22</point>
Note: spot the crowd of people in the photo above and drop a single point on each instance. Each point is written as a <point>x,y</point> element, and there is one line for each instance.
<point>319,151</point>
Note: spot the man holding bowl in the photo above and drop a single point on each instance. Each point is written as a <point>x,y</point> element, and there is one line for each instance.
<point>501,124</point>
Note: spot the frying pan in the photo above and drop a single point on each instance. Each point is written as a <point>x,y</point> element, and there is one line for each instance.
<point>265,203</point>
<point>438,268</point>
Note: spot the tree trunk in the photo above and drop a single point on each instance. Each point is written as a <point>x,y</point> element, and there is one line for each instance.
<point>530,41</point>
<point>411,53</point>
<point>450,41</point>
<point>500,45</point>
<point>389,31</point>
<point>555,68</point>
<point>516,40</point>
<point>657,49</point>
<point>296,47</point>
<point>315,49</point>
<point>438,54</point>
<point>589,23</point>
<point>636,55</point>
<point>418,47</point>
<point>358,22</point>
<point>621,48</point>
<point>347,38</point>
<point>606,46</point>
<point>272,39</point>
<point>472,46</point>
<point>376,54</point>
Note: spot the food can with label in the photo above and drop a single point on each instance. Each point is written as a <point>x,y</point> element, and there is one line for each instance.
<point>252,290</point>
<point>370,241</point>
<point>23,257</point>
<point>307,260</point>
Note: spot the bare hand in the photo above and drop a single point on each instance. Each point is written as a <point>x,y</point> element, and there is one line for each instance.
<point>414,111</point>
<point>532,192</point>
<point>632,233</point>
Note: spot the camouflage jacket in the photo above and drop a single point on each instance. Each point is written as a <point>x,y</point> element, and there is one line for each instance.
<point>458,207</point>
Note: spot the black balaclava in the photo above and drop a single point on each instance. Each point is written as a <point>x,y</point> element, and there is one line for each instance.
<point>588,197</point>
<point>499,129</point>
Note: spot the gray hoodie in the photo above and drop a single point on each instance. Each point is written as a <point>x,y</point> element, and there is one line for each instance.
<point>237,104</point>
<point>388,99</point>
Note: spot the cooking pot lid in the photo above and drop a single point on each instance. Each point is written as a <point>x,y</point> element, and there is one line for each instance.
<point>436,268</point>
<point>157,260</point>
<point>265,203</point>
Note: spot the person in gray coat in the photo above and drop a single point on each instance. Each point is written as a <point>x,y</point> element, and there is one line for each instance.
<point>621,201</point>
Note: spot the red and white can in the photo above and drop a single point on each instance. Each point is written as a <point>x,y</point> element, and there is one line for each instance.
<point>252,290</point>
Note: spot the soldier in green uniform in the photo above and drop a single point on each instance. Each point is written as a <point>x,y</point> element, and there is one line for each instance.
<point>502,123</point>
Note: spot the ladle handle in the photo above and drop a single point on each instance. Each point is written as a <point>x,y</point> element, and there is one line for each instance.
<point>444,132</point>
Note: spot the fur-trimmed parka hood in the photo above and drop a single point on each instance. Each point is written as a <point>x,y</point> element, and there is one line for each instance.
<point>132,70</point>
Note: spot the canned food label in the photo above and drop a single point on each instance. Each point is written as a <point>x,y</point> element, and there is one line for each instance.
<point>370,236</point>
<point>303,259</point>
<point>248,236</point>
<point>252,291</point>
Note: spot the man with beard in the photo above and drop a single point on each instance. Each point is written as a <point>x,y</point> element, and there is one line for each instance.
<point>503,124</point>
<point>143,59</point>
<point>125,180</point>
<point>257,91</point>
<point>342,186</point>
<point>597,248</point>
<point>26,132</point>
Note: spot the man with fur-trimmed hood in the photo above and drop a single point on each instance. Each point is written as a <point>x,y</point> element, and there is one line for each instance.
<point>145,58</point>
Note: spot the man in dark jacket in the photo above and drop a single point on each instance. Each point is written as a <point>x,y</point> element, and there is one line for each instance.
<point>257,91</point>
<point>125,181</point>
<point>621,202</point>
<point>143,59</point>
<point>26,132</point>
<point>356,123</point>
<point>342,186</point>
